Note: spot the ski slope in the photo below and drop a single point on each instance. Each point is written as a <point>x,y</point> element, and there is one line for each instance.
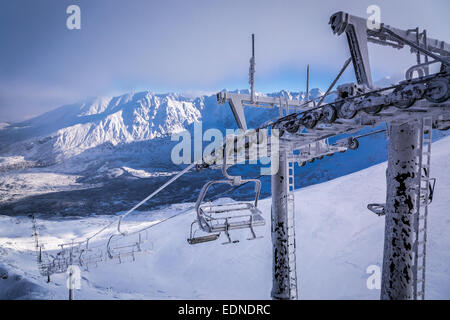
<point>337,239</point>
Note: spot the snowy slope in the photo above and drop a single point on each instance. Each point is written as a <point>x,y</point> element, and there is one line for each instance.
<point>337,239</point>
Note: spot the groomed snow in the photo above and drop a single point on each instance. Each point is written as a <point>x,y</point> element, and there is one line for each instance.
<point>337,239</point>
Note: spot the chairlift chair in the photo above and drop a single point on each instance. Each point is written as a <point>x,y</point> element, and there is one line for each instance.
<point>124,246</point>
<point>216,218</point>
<point>378,208</point>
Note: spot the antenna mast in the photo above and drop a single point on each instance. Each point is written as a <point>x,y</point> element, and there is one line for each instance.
<point>307,83</point>
<point>252,71</point>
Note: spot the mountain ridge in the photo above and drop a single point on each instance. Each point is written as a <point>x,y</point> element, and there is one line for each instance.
<point>72,129</point>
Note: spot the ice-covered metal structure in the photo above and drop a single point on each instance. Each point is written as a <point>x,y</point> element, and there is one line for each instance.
<point>410,109</point>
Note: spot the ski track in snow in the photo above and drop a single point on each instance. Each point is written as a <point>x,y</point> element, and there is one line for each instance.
<point>337,239</point>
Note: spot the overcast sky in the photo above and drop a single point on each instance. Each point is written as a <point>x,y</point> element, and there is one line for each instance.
<point>184,46</point>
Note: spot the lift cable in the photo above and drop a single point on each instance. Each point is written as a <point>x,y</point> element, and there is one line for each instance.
<point>179,174</point>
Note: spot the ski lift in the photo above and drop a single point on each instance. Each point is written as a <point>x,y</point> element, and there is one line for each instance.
<point>216,218</point>
<point>120,246</point>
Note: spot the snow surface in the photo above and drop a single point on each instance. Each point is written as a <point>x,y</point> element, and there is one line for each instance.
<point>337,239</point>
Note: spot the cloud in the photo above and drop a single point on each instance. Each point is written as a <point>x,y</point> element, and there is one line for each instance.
<point>197,45</point>
<point>19,101</point>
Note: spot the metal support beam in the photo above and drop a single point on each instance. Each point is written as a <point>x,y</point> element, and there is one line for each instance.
<point>70,282</point>
<point>403,179</point>
<point>251,72</point>
<point>280,263</point>
<point>356,31</point>
<point>415,46</point>
<point>70,290</point>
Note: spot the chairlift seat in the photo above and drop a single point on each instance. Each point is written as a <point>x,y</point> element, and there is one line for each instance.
<point>207,238</point>
<point>216,218</point>
<point>378,208</point>
<point>230,216</point>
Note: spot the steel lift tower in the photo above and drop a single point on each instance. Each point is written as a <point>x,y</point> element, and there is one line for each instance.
<point>408,174</point>
<point>410,109</point>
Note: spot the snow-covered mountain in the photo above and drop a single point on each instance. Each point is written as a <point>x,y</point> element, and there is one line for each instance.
<point>93,160</point>
<point>337,240</point>
<point>106,143</point>
<point>80,158</point>
<point>72,129</point>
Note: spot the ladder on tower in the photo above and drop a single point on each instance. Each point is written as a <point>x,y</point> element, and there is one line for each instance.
<point>425,197</point>
<point>292,260</point>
